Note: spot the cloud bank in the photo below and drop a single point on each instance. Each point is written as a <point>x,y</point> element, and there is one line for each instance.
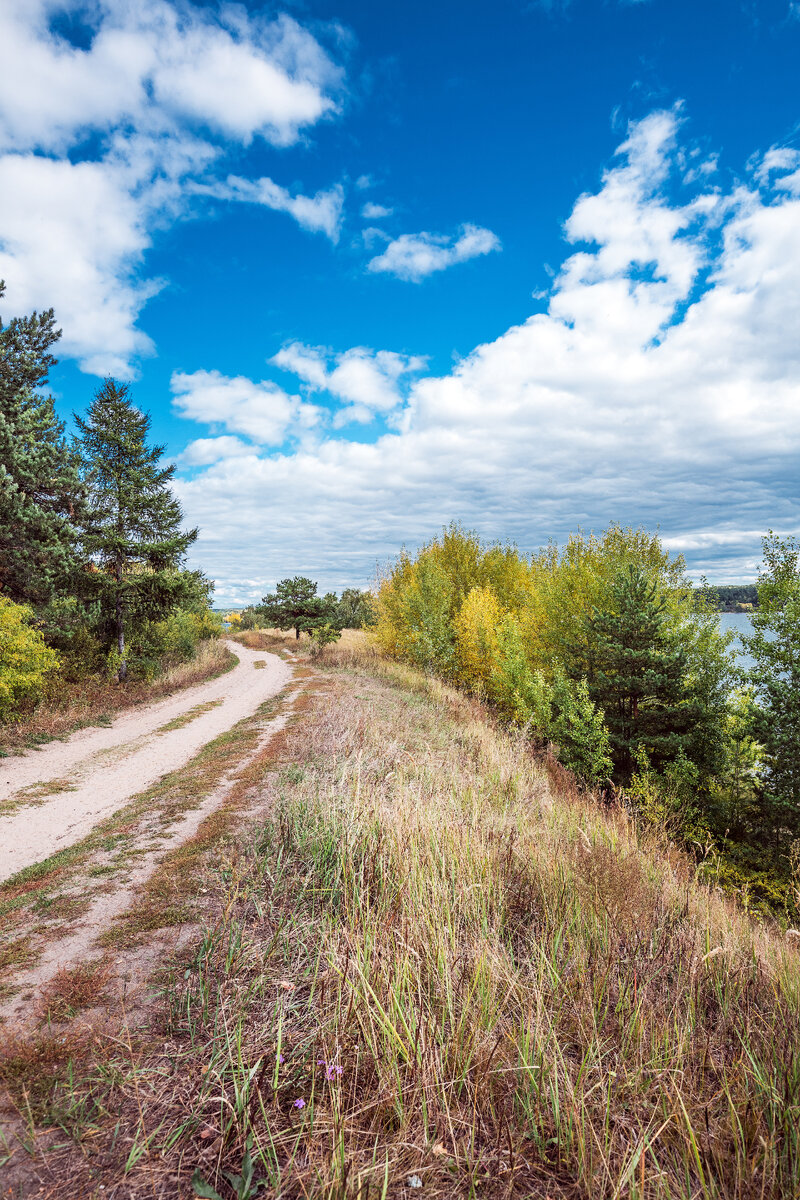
<point>100,146</point>
<point>661,385</point>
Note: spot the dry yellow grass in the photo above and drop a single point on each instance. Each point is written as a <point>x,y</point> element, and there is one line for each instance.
<point>429,968</point>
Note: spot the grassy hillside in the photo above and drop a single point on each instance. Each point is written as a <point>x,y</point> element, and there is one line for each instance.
<point>438,965</point>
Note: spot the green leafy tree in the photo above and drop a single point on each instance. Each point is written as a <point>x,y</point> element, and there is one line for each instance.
<point>41,493</point>
<point>426,607</point>
<point>251,617</point>
<point>578,729</point>
<point>295,605</point>
<point>735,801</point>
<point>322,636</point>
<point>355,609</point>
<point>775,646</point>
<point>638,675</point>
<point>132,536</point>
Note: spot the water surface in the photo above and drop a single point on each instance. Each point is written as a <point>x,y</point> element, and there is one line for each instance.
<point>738,623</point>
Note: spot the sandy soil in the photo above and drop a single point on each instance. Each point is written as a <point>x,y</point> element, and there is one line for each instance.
<point>79,944</point>
<point>102,768</point>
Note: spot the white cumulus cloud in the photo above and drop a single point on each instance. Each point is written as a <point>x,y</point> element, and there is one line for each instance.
<point>413,256</point>
<point>242,76</point>
<point>368,381</point>
<point>78,253</point>
<point>374,212</point>
<point>204,451</point>
<point>261,411</point>
<point>161,89</point>
<point>320,213</point>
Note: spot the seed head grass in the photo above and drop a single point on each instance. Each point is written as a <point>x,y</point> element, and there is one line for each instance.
<point>427,965</point>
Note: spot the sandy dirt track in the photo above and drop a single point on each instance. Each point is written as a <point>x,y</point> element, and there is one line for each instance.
<point>99,770</point>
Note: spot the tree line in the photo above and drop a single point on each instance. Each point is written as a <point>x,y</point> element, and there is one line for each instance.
<point>92,544</point>
<point>736,597</point>
<point>604,652</point>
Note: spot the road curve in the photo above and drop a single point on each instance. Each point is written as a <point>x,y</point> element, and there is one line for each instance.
<point>102,768</point>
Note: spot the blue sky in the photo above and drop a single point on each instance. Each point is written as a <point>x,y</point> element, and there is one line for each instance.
<point>372,268</point>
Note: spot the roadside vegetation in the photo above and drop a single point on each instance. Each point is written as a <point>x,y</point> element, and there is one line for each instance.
<point>97,609</point>
<point>603,651</point>
<point>503,903</point>
<point>437,964</point>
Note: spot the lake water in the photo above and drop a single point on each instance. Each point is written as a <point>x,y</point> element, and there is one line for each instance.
<point>737,623</point>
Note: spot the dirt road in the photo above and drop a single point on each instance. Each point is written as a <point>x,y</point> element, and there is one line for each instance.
<point>51,798</point>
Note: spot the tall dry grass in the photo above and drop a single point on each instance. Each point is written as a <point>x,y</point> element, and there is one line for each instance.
<point>429,971</point>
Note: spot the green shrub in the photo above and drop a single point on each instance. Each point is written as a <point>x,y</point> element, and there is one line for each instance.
<point>158,645</point>
<point>25,660</point>
<point>578,729</point>
<point>208,624</point>
<point>322,636</point>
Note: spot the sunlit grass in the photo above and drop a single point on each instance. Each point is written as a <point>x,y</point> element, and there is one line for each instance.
<point>428,966</point>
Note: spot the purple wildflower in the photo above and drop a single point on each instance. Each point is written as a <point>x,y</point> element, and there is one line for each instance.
<point>300,1103</point>
<point>332,1070</point>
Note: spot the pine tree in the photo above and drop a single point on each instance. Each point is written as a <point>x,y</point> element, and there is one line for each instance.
<point>41,494</point>
<point>638,676</point>
<point>295,605</point>
<point>775,646</point>
<point>132,537</point>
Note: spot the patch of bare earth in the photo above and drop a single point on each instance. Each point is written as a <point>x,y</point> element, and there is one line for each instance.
<point>51,798</point>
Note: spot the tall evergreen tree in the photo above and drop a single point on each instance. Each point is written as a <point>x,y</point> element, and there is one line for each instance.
<point>638,676</point>
<point>41,493</point>
<point>775,647</point>
<point>295,605</point>
<point>132,537</point>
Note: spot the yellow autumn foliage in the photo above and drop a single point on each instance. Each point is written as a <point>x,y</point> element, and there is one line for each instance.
<point>25,660</point>
<point>476,630</point>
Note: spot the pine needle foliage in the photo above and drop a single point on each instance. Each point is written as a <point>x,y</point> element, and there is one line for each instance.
<point>41,494</point>
<point>639,675</point>
<point>295,605</point>
<point>133,536</point>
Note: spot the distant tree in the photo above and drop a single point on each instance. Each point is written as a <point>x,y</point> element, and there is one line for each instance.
<point>775,646</point>
<point>41,493</point>
<point>295,605</point>
<point>132,536</point>
<point>355,609</point>
<point>251,617</point>
<point>639,676</point>
<point>734,597</point>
